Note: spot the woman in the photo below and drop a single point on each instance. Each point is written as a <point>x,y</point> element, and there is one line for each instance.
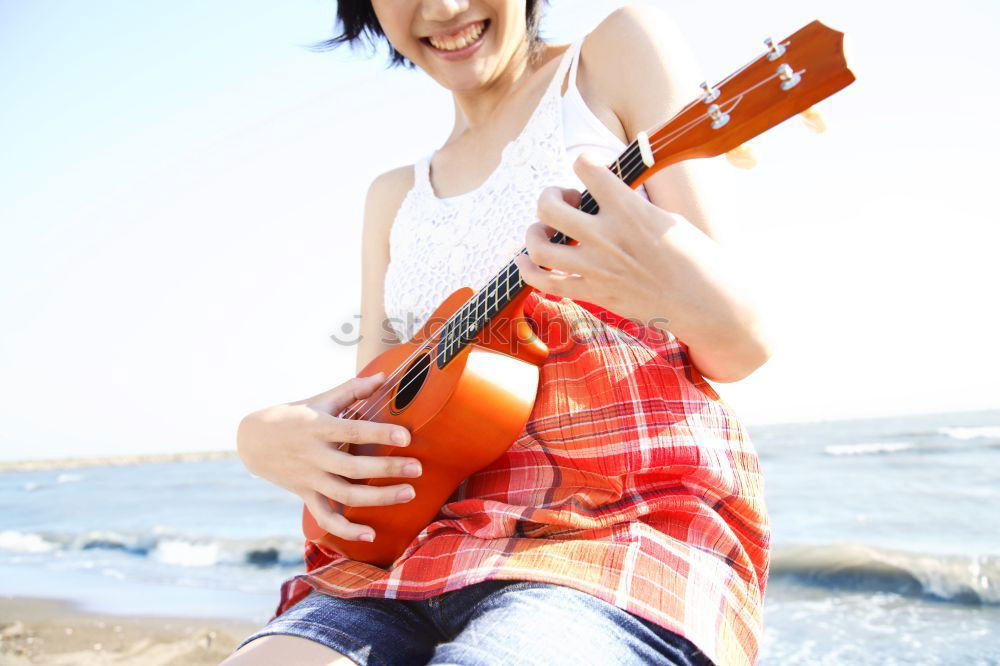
<point>626,524</point>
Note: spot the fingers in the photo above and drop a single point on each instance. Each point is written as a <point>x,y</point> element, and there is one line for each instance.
<point>335,400</point>
<point>557,208</point>
<point>333,522</point>
<point>602,183</point>
<point>354,389</point>
<point>371,467</point>
<point>360,494</point>
<point>544,252</point>
<point>550,282</point>
<point>358,431</point>
<point>354,428</point>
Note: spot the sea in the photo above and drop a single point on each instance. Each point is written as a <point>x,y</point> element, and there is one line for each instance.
<point>886,539</point>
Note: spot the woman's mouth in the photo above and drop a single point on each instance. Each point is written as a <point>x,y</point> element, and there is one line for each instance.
<point>460,44</point>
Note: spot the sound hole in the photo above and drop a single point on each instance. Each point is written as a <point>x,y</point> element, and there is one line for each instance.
<point>411,382</point>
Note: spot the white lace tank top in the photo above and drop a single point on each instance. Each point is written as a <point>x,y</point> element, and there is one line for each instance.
<point>438,245</point>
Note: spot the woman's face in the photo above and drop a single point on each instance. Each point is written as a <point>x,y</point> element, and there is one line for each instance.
<point>462,44</point>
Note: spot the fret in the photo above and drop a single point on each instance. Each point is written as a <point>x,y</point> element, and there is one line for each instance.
<point>463,331</point>
<point>481,308</point>
<point>491,290</point>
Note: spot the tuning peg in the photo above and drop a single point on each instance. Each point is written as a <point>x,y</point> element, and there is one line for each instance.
<point>742,157</point>
<point>774,51</point>
<point>709,94</point>
<point>814,120</point>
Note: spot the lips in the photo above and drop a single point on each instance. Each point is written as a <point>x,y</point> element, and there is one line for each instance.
<point>459,40</point>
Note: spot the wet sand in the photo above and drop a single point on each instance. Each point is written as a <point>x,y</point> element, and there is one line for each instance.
<point>43,631</point>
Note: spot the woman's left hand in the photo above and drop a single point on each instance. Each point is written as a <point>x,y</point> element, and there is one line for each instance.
<point>631,258</point>
<point>643,263</point>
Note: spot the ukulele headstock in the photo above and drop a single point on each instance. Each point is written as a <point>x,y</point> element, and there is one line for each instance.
<point>788,78</point>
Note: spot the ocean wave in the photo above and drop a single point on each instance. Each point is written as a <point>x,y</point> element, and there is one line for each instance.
<point>962,439</point>
<point>972,579</point>
<point>965,433</point>
<point>866,448</point>
<point>164,547</point>
<point>967,579</point>
<point>21,542</point>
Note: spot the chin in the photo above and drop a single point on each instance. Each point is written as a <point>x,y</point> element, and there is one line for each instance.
<point>462,83</point>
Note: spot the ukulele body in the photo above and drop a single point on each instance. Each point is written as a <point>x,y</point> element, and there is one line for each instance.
<point>461,418</point>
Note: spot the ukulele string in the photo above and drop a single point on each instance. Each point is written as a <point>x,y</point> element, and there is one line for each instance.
<point>632,161</point>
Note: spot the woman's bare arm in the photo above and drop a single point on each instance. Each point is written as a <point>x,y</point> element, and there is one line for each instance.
<point>661,77</point>
<point>384,197</point>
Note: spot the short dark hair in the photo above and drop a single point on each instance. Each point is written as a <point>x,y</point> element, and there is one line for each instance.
<point>359,24</point>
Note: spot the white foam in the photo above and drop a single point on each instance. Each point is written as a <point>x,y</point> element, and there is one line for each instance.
<point>165,547</point>
<point>186,553</point>
<point>866,448</point>
<point>21,542</point>
<point>974,432</point>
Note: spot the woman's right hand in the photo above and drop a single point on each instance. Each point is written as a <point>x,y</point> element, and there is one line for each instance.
<point>296,446</point>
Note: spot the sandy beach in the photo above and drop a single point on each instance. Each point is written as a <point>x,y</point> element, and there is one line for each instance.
<point>42,631</point>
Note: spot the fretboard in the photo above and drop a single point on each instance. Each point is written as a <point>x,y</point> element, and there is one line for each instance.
<point>478,312</point>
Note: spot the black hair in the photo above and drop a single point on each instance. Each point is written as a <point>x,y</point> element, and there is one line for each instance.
<point>359,24</point>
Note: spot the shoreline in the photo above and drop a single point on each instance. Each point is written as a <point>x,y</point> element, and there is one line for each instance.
<point>130,459</point>
<point>47,631</point>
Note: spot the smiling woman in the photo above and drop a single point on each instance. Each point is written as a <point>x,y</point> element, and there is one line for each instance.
<point>626,522</point>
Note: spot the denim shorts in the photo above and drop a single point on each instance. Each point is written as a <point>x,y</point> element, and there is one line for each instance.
<point>486,624</point>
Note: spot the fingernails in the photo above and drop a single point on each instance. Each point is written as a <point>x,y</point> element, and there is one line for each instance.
<point>399,437</point>
<point>412,469</point>
<point>367,536</point>
<point>405,495</point>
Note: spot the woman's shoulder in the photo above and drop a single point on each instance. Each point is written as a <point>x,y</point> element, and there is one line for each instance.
<point>385,195</point>
<point>392,183</point>
<point>638,63</point>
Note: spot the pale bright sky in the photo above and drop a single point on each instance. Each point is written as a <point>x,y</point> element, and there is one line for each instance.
<point>181,186</point>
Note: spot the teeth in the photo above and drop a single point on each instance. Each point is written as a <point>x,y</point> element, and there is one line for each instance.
<point>459,41</point>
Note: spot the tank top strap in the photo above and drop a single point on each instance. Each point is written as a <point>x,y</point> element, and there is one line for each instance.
<point>422,172</point>
<point>570,60</point>
<point>574,59</point>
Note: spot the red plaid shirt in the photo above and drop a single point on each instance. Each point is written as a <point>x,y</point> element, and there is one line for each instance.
<point>632,481</point>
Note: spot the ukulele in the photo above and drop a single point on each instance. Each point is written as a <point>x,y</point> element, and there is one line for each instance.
<point>465,384</point>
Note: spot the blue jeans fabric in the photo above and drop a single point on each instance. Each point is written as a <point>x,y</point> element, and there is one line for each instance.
<point>486,624</point>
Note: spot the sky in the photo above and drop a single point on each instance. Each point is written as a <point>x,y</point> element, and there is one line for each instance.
<point>181,190</point>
